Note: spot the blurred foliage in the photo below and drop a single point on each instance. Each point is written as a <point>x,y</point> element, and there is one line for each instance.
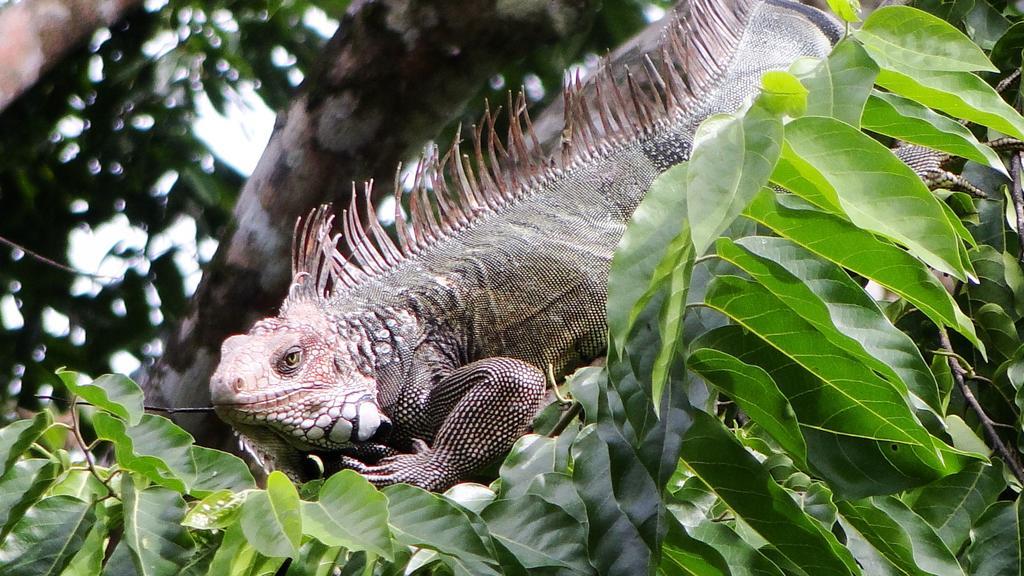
<point>105,145</point>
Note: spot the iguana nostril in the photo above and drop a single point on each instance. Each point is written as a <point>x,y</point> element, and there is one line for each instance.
<point>238,384</point>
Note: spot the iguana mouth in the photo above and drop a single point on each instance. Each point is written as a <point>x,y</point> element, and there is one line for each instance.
<point>352,419</point>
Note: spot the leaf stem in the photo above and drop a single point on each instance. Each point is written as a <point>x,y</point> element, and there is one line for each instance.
<point>77,432</point>
<point>566,418</point>
<point>46,453</point>
<point>972,401</point>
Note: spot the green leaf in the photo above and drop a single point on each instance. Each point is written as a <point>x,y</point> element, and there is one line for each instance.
<point>531,456</point>
<point>236,557</point>
<point>755,392</point>
<point>155,448</point>
<point>906,120</point>
<point>914,38</point>
<point>271,520</point>
<point>900,538</point>
<point>47,537</point>
<point>656,222</point>
<point>351,513</point>
<point>839,85</point>
<point>849,425</point>
<point>825,296</point>
<point>88,561</point>
<point>16,437</point>
<point>872,408</point>
<point>615,544</point>
<point>153,530</point>
<point>861,252</point>
<point>997,546</point>
<point>742,558</point>
<point>716,457</point>
<point>953,504</point>
<point>114,393</point>
<point>538,533</point>
<point>217,510</point>
<point>650,274</point>
<point>782,93</point>
<point>732,159</point>
<point>836,166</point>
<point>216,470</point>
<point>959,94</point>
<point>419,518</point>
<point>21,487</point>
<point>684,554</point>
<point>846,9</point>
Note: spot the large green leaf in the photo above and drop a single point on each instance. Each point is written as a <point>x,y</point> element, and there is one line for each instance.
<point>216,470</point>
<point>755,392</point>
<point>742,558</point>
<point>271,520</point>
<point>859,251</point>
<point>114,393</point>
<point>16,437</point>
<point>959,94</point>
<point>902,541</point>
<point>684,554</point>
<point>350,513</point>
<point>997,546</point>
<point>714,455</point>
<point>839,85</point>
<point>902,118</point>
<point>47,537</point>
<point>531,456</point>
<point>538,533</point>
<point>917,39</point>
<point>236,557</point>
<point>88,561</point>
<point>419,518</point>
<point>824,295</point>
<point>836,166</point>
<point>657,221</point>
<point>953,504</point>
<point>153,530</point>
<point>732,159</point>
<point>849,428</point>
<point>155,448</point>
<point>22,486</point>
<point>851,399</point>
<point>615,544</point>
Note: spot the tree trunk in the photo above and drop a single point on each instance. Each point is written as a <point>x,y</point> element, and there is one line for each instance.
<point>36,34</point>
<point>395,73</point>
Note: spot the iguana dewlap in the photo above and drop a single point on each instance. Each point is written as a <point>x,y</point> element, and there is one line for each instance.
<point>422,361</point>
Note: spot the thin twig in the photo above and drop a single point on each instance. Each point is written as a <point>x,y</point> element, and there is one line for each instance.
<point>55,264</point>
<point>986,422</point>
<point>566,418</point>
<point>1018,201</point>
<point>77,432</point>
<point>184,410</point>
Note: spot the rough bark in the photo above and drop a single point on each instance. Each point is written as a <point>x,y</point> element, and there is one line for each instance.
<point>393,75</point>
<point>35,34</point>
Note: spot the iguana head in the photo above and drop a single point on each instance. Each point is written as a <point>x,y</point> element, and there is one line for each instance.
<point>304,379</point>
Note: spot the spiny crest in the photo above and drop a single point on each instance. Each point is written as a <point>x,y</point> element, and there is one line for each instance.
<point>449,193</point>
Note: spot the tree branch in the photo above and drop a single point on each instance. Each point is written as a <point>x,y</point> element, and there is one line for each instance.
<point>986,422</point>
<point>35,35</point>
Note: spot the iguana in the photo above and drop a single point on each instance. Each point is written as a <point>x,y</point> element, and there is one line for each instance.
<point>422,360</point>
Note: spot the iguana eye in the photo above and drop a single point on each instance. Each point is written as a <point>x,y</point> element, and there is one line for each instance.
<point>290,360</point>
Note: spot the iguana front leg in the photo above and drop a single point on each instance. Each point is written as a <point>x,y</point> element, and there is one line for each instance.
<point>484,407</point>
